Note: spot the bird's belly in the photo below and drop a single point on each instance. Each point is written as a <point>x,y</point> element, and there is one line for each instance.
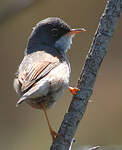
<point>59,77</point>
<point>58,81</point>
<point>49,100</point>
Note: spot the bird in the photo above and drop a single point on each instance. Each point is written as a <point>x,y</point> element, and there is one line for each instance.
<point>44,72</point>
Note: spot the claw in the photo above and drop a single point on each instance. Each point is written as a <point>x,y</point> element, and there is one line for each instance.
<point>53,134</point>
<point>73,90</point>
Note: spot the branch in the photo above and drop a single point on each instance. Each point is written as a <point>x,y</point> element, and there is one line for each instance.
<point>88,76</point>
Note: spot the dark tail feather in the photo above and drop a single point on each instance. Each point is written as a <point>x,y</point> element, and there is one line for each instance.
<point>21,100</point>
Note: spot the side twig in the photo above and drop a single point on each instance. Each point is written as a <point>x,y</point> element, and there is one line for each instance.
<point>88,76</point>
<point>94,148</point>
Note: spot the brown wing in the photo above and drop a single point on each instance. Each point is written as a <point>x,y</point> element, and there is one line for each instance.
<point>37,71</point>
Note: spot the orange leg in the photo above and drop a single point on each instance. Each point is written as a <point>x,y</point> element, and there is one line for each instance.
<point>73,90</point>
<point>52,132</point>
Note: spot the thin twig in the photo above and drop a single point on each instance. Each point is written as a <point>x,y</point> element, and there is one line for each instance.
<point>94,148</point>
<point>88,76</point>
<point>71,144</point>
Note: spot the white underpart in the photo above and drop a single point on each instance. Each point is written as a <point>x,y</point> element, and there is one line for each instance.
<point>64,42</point>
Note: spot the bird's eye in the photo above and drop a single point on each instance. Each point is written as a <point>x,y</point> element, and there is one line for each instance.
<point>54,32</point>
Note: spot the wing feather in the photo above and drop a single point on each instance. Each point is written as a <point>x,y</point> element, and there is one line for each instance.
<point>36,71</point>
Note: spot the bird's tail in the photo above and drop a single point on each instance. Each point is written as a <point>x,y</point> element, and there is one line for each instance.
<point>21,100</point>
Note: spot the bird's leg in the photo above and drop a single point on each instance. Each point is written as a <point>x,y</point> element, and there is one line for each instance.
<point>52,132</point>
<point>73,90</point>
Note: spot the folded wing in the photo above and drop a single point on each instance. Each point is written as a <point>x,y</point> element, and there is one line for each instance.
<point>36,71</point>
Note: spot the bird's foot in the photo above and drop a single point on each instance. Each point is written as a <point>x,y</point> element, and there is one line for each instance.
<point>73,90</point>
<point>53,134</point>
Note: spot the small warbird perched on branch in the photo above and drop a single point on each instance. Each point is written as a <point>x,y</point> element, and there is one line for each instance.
<point>45,70</point>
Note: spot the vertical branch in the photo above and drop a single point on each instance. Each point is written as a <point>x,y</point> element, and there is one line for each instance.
<point>88,76</point>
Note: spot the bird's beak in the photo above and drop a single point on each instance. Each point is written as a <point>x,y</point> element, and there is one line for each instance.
<point>76,31</point>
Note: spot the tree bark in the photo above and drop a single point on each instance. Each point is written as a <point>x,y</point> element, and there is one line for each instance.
<point>88,75</point>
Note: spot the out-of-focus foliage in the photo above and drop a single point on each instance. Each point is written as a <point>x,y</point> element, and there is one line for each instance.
<point>25,128</point>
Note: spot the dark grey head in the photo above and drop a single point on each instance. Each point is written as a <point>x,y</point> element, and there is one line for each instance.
<point>51,33</point>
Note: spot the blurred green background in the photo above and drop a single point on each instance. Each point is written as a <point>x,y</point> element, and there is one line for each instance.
<point>25,128</point>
